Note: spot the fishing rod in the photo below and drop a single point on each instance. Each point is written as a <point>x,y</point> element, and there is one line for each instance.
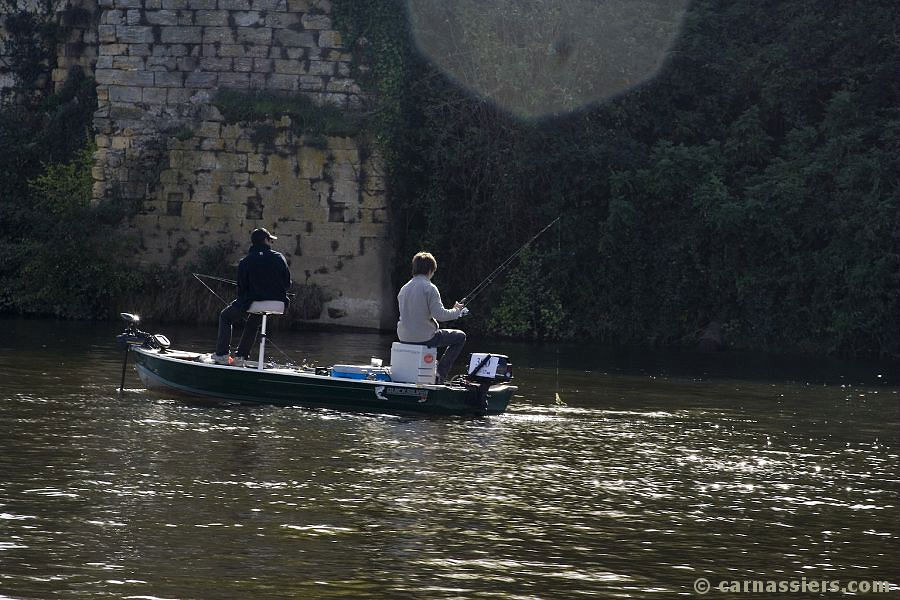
<point>490,278</point>
<point>197,276</point>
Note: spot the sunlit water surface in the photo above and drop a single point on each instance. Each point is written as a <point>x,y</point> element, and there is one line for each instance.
<point>643,479</point>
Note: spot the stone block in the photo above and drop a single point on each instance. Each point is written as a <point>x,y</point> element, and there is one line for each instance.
<point>211,18</point>
<point>104,62</point>
<point>256,163</point>
<point>112,17</point>
<point>187,64</point>
<point>345,86</point>
<point>201,4</point>
<point>128,63</point>
<point>120,77</point>
<point>253,35</point>
<point>234,4</point>
<point>234,80</point>
<point>154,96</point>
<point>231,162</point>
<point>162,63</point>
<point>134,34</point>
<point>318,67</point>
<point>244,18</point>
<point>299,6</point>
<point>330,39</point>
<point>289,37</point>
<point>119,142</point>
<point>220,210</point>
<point>277,81</point>
<point>170,50</point>
<point>282,20</point>
<point>181,35</point>
<point>221,35</point>
<point>129,3</point>
<point>178,96</point>
<point>243,65</point>
<point>165,79</point>
<point>209,129</point>
<point>294,67</point>
<point>269,5</point>
<point>199,79</point>
<point>161,17</point>
<point>215,64</point>
<point>311,83</point>
<point>315,21</point>
<point>263,65</point>
<point>107,33</point>
<point>174,4</point>
<point>113,49</point>
<point>139,50</point>
<point>133,16</point>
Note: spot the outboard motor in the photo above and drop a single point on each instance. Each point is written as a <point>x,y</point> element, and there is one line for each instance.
<point>132,336</point>
<point>484,371</point>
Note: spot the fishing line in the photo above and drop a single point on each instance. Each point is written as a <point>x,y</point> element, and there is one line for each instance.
<point>197,276</point>
<point>490,278</point>
<point>557,398</point>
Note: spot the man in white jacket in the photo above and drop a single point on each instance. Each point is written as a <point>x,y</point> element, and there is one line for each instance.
<point>421,309</point>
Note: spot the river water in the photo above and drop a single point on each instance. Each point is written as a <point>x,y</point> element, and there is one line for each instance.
<point>653,470</point>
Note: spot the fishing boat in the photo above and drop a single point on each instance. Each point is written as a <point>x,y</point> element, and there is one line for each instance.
<point>409,388</point>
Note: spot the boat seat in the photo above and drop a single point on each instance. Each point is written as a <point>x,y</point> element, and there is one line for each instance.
<point>266,307</point>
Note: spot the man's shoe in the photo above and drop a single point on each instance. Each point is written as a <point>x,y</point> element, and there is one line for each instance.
<point>221,359</point>
<point>238,361</point>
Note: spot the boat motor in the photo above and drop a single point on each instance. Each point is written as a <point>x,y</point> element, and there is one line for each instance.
<point>485,370</point>
<point>132,336</point>
<point>489,368</point>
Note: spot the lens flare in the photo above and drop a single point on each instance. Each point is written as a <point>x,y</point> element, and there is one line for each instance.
<point>540,58</point>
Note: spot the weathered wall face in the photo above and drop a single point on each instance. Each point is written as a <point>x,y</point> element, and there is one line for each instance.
<point>201,181</point>
<point>77,45</point>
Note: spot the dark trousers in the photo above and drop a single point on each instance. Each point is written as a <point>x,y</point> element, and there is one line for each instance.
<point>231,314</point>
<point>453,340</point>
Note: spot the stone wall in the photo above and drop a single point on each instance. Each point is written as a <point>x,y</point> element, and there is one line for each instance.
<point>77,46</point>
<point>200,181</point>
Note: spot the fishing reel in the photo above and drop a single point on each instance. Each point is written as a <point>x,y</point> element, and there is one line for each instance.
<point>132,336</point>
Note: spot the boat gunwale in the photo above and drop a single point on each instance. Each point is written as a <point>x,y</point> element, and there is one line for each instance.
<point>155,353</point>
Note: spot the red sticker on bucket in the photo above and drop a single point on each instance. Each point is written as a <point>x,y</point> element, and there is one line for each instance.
<point>429,358</point>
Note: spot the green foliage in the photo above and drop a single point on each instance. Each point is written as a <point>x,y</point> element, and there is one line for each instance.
<point>184,134</point>
<point>529,305</point>
<point>66,263</point>
<point>306,116</point>
<point>62,254</point>
<point>755,181</point>
<point>30,48</point>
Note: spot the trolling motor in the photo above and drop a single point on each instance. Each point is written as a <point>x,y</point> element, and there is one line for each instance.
<point>132,336</point>
<point>485,370</point>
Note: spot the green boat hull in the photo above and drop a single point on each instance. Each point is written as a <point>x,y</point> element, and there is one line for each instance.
<point>181,372</point>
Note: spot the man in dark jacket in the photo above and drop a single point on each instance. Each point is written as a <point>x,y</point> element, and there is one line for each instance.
<point>262,275</point>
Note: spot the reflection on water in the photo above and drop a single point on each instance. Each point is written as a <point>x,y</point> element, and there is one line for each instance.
<point>634,487</point>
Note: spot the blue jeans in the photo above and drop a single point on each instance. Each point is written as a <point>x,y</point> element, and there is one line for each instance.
<point>231,314</point>
<point>454,340</point>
